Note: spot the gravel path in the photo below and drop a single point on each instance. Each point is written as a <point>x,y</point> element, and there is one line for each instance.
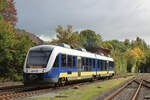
<point>127,93</point>
<point>107,93</point>
<point>143,92</point>
<point>4,84</point>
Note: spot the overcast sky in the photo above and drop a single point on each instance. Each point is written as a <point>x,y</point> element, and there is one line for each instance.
<point>113,19</point>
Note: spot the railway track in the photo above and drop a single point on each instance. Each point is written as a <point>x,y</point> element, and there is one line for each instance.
<point>130,90</point>
<point>13,92</point>
<point>27,91</point>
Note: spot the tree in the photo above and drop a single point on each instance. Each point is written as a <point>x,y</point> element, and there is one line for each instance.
<point>127,43</point>
<point>139,43</point>
<point>135,57</point>
<point>117,53</point>
<point>8,11</point>
<point>3,4</point>
<point>107,45</point>
<point>145,66</point>
<point>66,36</point>
<point>90,40</point>
<point>22,45</point>
<point>6,44</point>
<point>13,49</point>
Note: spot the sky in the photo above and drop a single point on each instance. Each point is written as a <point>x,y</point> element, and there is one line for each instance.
<point>112,19</point>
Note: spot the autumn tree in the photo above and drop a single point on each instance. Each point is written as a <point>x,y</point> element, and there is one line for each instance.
<point>135,56</point>
<point>8,11</point>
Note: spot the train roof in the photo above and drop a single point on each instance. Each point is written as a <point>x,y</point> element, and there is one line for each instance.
<point>73,52</point>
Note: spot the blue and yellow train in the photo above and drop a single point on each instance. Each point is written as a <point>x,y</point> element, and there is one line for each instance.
<point>57,63</point>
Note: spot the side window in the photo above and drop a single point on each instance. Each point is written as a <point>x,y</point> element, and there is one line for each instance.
<point>98,64</point>
<point>56,63</point>
<point>94,65</point>
<point>106,65</point>
<point>110,64</point>
<point>74,61</point>
<point>63,60</point>
<point>87,64</point>
<point>102,65</point>
<point>69,61</point>
<point>90,64</point>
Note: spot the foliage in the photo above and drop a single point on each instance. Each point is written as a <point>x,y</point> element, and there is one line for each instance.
<point>8,11</point>
<point>66,36</point>
<point>6,38</point>
<point>22,45</point>
<point>144,67</point>
<point>135,56</point>
<point>13,51</point>
<point>3,4</point>
<point>129,55</point>
<point>89,39</point>
<point>13,46</point>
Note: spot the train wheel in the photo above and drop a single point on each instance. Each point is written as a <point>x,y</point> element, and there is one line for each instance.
<point>67,81</point>
<point>91,79</point>
<point>61,82</point>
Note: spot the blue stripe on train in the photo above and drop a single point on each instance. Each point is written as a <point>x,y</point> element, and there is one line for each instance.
<point>54,72</point>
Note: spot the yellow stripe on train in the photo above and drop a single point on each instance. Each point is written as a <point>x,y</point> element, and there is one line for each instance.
<point>75,74</point>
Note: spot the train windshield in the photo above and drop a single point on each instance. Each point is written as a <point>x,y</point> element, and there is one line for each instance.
<point>38,58</point>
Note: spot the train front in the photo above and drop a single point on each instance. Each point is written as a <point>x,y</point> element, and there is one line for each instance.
<point>36,64</point>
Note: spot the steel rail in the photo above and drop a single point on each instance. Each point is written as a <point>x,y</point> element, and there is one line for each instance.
<point>142,83</point>
<point>137,91</point>
<point>119,90</point>
<point>146,81</point>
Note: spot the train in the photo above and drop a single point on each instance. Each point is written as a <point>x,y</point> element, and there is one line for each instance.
<point>59,63</point>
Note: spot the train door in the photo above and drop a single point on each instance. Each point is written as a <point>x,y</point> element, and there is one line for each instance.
<point>79,66</point>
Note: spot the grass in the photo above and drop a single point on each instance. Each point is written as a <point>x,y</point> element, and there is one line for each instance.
<point>85,92</point>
